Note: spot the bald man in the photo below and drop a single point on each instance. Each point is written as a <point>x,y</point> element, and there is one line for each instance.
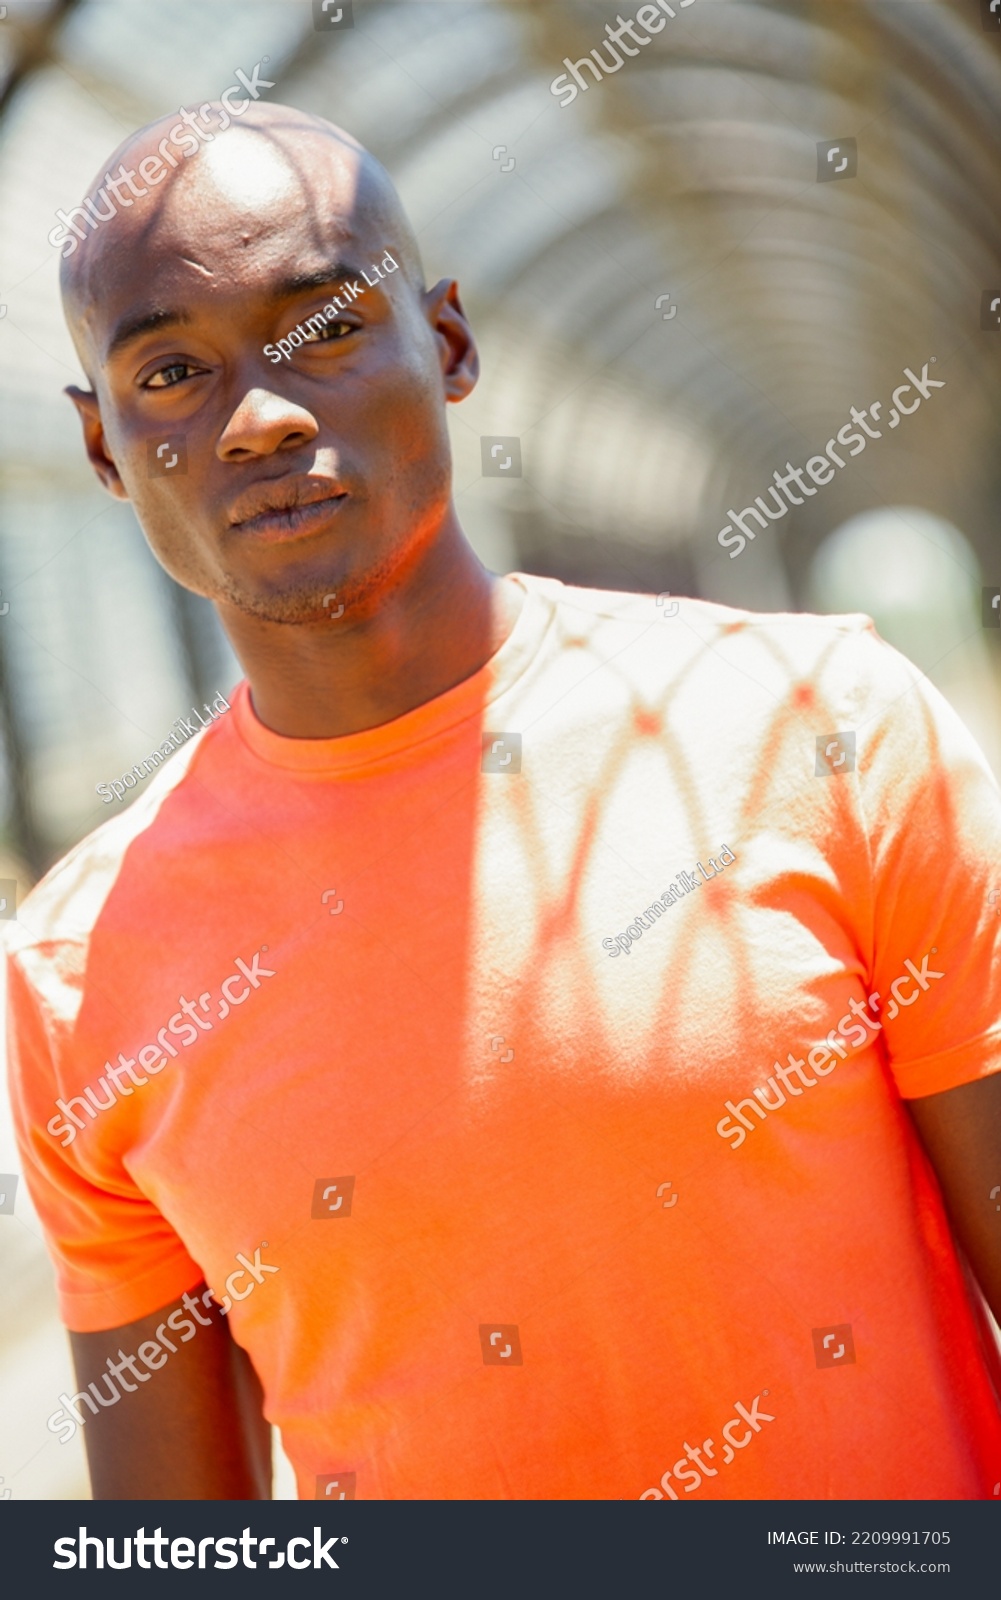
<point>533,1045</point>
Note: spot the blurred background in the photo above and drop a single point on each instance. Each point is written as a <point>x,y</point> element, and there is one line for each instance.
<point>675,292</point>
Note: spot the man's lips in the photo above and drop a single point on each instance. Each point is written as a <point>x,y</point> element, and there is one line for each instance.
<point>285,506</point>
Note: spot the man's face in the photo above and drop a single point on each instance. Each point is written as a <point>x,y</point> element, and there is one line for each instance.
<point>323,474</point>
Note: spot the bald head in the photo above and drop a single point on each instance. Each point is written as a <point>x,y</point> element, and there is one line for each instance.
<point>248,174</point>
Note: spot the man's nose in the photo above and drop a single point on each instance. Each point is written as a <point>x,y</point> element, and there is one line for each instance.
<point>264,422</point>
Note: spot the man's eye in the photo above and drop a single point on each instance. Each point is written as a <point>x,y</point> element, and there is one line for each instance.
<point>166,377</point>
<point>329,332</point>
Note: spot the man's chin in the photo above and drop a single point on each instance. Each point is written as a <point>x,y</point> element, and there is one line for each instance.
<point>292,607</point>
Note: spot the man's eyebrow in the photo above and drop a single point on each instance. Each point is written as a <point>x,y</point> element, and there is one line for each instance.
<point>302,282</point>
<point>134,327</point>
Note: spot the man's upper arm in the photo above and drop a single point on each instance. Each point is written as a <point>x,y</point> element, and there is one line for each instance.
<point>181,1419</point>
<point>187,1423</point>
<point>961,1131</point>
<point>932,814</point>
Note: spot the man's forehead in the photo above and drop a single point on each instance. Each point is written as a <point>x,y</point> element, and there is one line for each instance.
<point>252,222</point>
<point>178,265</point>
<point>165,304</point>
<point>277,196</point>
<point>248,190</point>
<point>246,226</point>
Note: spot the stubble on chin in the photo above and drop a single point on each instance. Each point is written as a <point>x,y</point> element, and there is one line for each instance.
<point>293,606</point>
<point>309,600</point>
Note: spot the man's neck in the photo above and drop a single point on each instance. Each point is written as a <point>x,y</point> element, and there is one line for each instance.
<point>326,679</point>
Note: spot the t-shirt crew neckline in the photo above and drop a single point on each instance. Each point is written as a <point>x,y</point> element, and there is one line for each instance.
<point>436,716</point>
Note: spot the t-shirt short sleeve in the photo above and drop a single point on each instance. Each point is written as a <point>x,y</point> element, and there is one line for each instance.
<point>932,814</point>
<point>116,1257</point>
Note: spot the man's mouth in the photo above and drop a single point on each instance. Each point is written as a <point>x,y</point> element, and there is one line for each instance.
<point>285,508</point>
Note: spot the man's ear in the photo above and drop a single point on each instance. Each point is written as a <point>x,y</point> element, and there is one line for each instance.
<point>87,405</point>
<point>460,359</point>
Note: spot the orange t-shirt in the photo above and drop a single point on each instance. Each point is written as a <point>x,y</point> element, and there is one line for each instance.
<point>470,962</point>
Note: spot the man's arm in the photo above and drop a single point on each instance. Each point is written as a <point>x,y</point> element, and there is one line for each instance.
<point>961,1131</point>
<point>193,1428</point>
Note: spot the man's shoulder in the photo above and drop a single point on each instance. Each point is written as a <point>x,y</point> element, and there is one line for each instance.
<point>63,907</point>
<point>740,668</point>
<point>801,638</point>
